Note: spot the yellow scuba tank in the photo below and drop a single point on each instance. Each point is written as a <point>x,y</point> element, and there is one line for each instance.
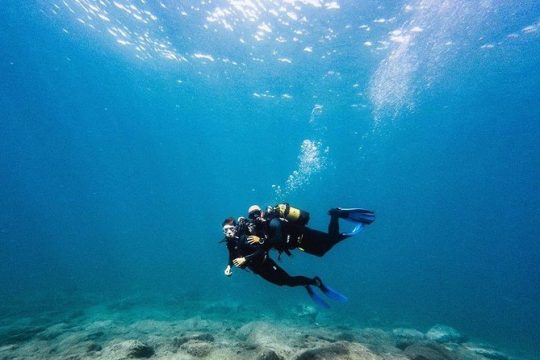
<point>292,214</point>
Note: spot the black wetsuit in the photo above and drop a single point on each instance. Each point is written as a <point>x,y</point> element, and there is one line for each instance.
<point>258,261</point>
<point>283,236</point>
<point>272,272</point>
<point>239,247</point>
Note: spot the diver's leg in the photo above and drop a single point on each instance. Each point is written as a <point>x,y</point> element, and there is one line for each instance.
<point>333,228</point>
<point>270,271</point>
<point>316,242</point>
<point>319,243</point>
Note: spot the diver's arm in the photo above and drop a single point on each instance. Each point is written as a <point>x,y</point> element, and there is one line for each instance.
<point>263,246</point>
<point>230,246</point>
<point>239,261</point>
<point>270,241</point>
<point>258,253</point>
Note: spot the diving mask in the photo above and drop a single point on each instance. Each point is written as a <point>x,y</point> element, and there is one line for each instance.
<point>255,214</point>
<point>229,231</point>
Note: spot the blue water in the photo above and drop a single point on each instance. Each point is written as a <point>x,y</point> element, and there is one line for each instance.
<point>129,130</point>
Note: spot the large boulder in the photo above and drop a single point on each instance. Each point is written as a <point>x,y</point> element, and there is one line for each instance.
<point>338,351</point>
<point>264,335</point>
<point>445,334</point>
<point>195,344</point>
<point>406,337</point>
<point>132,349</point>
<point>140,350</point>
<point>205,337</point>
<point>428,351</point>
<point>197,348</point>
<point>268,354</point>
<point>378,340</point>
<point>332,351</point>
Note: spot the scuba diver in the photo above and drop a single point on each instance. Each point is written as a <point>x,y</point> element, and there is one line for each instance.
<point>244,253</point>
<point>283,227</point>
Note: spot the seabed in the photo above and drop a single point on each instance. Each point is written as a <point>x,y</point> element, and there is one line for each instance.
<point>138,328</point>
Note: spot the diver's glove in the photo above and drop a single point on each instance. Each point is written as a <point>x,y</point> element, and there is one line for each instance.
<point>228,271</point>
<point>239,261</point>
<point>254,239</point>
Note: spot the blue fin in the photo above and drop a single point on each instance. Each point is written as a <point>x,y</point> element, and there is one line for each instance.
<point>358,215</point>
<point>333,294</point>
<point>316,298</point>
<point>359,227</point>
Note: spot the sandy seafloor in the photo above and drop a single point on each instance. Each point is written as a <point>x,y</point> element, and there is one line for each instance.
<point>176,328</point>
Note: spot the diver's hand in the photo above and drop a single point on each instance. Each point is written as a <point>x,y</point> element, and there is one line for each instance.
<point>228,271</point>
<point>254,239</point>
<point>239,261</point>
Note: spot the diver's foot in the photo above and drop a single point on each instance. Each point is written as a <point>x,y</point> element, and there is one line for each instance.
<point>334,212</point>
<point>328,291</point>
<point>316,298</point>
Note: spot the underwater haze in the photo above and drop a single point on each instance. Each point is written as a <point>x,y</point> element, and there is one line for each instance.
<point>129,129</point>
